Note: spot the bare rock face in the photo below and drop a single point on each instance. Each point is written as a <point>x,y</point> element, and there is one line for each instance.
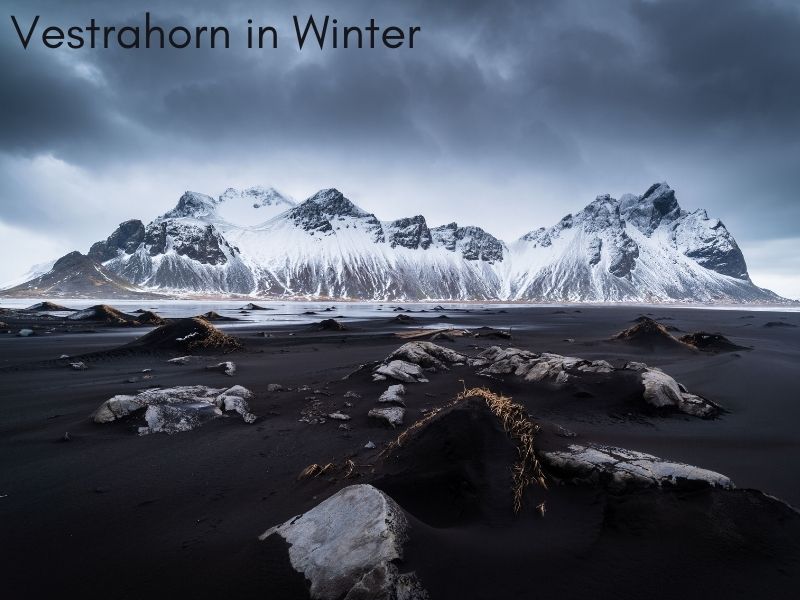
<point>620,469</point>
<point>348,547</point>
<point>177,409</point>
<point>400,370</point>
<point>427,355</point>
<point>535,367</point>
<point>391,415</point>
<point>394,394</point>
<point>659,389</point>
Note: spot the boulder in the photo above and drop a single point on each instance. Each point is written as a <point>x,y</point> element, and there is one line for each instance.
<point>427,355</point>
<point>348,547</point>
<point>179,408</point>
<point>391,415</point>
<point>227,367</point>
<point>400,370</point>
<point>394,393</point>
<point>620,469</point>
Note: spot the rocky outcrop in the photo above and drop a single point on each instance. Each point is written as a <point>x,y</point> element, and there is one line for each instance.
<point>349,547</point>
<point>125,238</point>
<point>622,469</point>
<point>659,390</point>
<point>177,409</point>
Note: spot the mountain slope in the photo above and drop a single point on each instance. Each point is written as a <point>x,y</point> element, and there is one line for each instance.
<point>77,276</point>
<point>636,248</point>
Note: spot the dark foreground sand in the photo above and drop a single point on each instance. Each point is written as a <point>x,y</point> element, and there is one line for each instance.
<point>112,514</point>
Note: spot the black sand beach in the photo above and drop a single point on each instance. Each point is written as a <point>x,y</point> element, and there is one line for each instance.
<point>105,512</point>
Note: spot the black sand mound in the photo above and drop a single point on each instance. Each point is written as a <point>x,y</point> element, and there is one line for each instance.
<point>215,316</point>
<point>252,306</point>
<point>147,317</point>
<point>453,469</point>
<point>473,461</point>
<point>651,334</point>
<point>328,325</point>
<point>49,306</point>
<point>710,342</point>
<point>403,319</point>
<point>779,324</point>
<point>490,333</point>
<point>103,313</point>
<point>186,335</point>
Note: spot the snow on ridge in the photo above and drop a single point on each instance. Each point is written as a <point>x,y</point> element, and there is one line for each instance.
<point>636,248</point>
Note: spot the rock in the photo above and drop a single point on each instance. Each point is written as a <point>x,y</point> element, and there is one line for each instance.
<point>63,356</point>
<point>275,387</point>
<point>401,370</point>
<point>352,395</point>
<point>533,367</point>
<point>180,360</point>
<point>227,367</point>
<point>348,546</point>
<point>369,445</point>
<point>25,333</point>
<point>177,409</point>
<point>78,366</point>
<point>338,416</point>
<point>378,377</point>
<point>117,407</point>
<point>661,390</point>
<point>427,355</point>
<point>618,468</point>
<point>394,393</point>
<point>392,415</point>
<point>167,418</point>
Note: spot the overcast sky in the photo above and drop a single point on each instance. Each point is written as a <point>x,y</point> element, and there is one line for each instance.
<point>507,114</point>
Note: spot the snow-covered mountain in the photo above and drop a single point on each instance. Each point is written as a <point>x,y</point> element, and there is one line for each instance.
<point>635,248</point>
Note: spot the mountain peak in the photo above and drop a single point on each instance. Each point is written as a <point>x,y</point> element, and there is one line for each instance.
<point>257,196</point>
<point>332,202</point>
<point>646,212</point>
<point>193,205</point>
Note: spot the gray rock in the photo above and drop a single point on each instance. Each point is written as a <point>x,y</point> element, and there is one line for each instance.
<point>180,360</point>
<point>427,355</point>
<point>78,366</point>
<point>25,333</point>
<point>618,468</point>
<point>187,407</point>
<point>391,415</point>
<point>275,387</point>
<point>348,546</point>
<point>339,416</point>
<point>394,393</point>
<point>227,367</point>
<point>401,370</point>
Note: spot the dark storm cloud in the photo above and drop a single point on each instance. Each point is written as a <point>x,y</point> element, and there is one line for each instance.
<point>586,91</point>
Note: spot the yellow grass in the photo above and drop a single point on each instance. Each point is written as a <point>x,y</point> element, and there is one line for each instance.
<point>515,422</point>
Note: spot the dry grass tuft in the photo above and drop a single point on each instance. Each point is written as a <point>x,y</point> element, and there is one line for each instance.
<point>214,338</point>
<point>315,470</point>
<point>516,424</point>
<point>522,430</point>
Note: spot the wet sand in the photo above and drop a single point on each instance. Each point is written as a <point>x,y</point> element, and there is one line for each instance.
<point>113,513</point>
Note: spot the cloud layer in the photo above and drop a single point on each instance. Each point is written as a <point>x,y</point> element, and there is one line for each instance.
<point>508,113</point>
